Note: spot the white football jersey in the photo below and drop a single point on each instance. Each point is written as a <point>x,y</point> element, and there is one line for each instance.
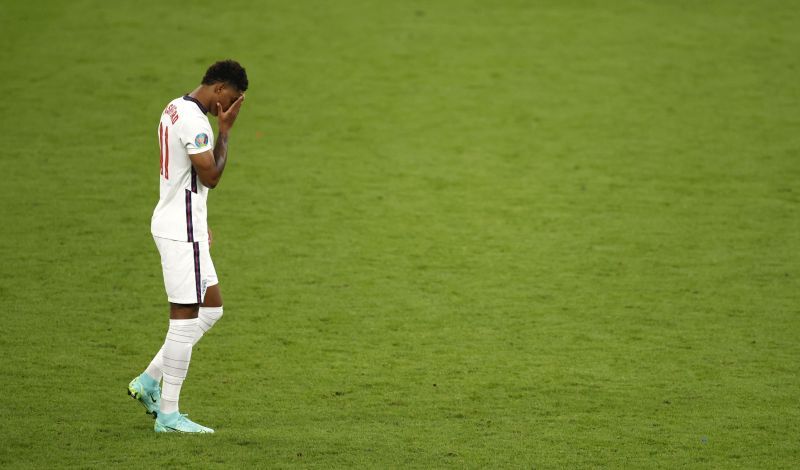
<point>181,211</point>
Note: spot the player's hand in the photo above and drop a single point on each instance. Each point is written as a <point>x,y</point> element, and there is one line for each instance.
<point>210,238</point>
<point>228,117</point>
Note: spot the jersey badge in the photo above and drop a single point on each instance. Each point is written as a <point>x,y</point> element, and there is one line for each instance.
<point>201,140</point>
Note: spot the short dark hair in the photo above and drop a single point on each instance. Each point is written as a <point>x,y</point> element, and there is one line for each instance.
<point>227,71</point>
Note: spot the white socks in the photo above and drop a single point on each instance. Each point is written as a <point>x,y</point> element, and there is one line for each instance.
<point>177,352</point>
<point>154,369</point>
<point>207,317</point>
<point>172,360</point>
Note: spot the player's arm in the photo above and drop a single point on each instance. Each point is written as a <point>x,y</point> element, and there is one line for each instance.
<point>210,165</point>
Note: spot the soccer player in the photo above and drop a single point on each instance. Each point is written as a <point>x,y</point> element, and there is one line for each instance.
<point>191,164</point>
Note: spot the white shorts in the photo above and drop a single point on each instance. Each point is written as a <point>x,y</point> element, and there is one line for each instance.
<point>188,270</point>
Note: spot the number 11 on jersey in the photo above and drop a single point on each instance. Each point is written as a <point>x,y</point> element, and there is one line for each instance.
<point>163,144</point>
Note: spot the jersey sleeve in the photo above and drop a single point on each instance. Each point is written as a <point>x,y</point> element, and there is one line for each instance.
<point>197,136</point>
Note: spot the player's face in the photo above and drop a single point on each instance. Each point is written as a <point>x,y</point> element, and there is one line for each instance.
<point>226,95</point>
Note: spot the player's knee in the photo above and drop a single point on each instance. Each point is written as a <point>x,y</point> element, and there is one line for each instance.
<point>212,314</point>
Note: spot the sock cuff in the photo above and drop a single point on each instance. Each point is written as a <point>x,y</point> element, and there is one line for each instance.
<point>211,312</point>
<point>188,322</point>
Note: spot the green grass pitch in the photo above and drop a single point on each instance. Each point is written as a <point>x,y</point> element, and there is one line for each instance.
<point>512,234</point>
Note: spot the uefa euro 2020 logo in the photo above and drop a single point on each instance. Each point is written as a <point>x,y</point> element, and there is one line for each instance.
<point>201,140</point>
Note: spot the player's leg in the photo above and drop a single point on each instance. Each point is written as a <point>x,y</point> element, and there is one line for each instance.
<point>213,297</point>
<point>184,332</point>
<point>180,283</point>
<point>184,285</point>
<point>209,313</point>
<point>169,364</point>
<point>177,354</point>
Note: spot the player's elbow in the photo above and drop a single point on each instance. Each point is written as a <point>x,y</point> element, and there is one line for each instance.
<point>210,182</point>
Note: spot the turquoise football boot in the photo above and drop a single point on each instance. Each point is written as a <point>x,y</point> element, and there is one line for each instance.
<point>177,422</point>
<point>146,391</point>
